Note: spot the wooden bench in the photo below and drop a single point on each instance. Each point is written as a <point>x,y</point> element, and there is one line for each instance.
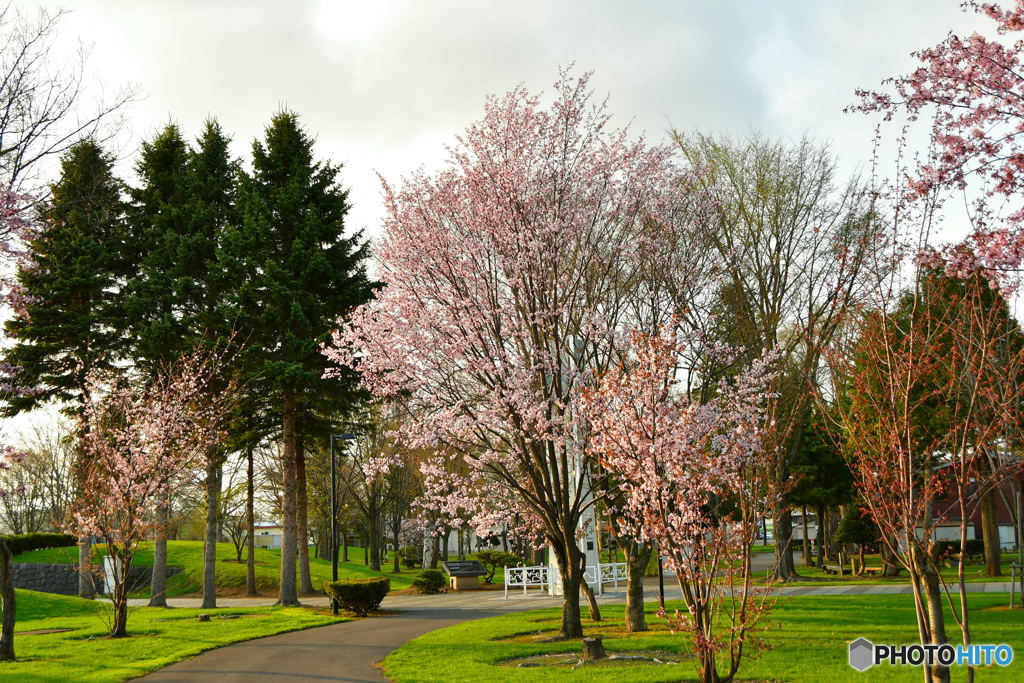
<point>835,569</point>
<point>874,570</point>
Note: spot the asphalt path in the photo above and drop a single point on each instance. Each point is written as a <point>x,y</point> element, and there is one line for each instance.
<point>339,652</point>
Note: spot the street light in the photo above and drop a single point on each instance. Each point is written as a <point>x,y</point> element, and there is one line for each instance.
<point>334,515</point>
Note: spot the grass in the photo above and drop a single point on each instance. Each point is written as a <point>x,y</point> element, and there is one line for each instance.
<point>231,575</point>
<point>157,637</point>
<point>972,573</point>
<point>808,644</point>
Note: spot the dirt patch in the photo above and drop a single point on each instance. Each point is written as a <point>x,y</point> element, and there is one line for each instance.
<point>43,632</point>
<point>615,659</point>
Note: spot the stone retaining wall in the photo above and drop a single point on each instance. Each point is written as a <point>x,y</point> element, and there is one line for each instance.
<point>62,579</point>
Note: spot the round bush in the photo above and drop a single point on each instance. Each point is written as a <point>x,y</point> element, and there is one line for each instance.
<point>360,596</point>
<point>430,581</point>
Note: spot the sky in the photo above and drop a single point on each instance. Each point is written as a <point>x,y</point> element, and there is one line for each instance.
<point>384,85</point>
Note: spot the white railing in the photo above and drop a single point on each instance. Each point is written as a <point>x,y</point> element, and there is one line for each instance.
<point>527,577</point>
<point>609,573</point>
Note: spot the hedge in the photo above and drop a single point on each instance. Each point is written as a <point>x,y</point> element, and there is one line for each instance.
<point>975,546</point>
<point>360,596</point>
<point>23,543</point>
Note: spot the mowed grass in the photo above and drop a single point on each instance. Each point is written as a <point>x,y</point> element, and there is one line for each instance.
<point>157,637</point>
<point>231,575</point>
<point>808,644</point>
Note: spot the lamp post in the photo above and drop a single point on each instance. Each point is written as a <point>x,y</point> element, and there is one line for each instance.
<point>334,515</point>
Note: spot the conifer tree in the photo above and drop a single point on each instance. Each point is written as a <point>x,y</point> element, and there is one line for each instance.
<point>303,274</point>
<point>74,321</point>
<point>181,301</point>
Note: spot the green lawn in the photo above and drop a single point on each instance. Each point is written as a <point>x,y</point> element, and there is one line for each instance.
<point>808,645</point>
<point>231,575</point>
<point>972,573</point>
<point>157,637</point>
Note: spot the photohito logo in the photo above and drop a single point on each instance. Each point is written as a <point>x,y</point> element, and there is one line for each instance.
<point>864,654</point>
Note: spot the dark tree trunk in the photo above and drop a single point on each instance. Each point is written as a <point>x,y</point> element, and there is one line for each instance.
<point>807,540</point>
<point>289,532</point>
<point>444,543</point>
<point>567,556</point>
<point>396,532</point>
<point>158,584</point>
<point>210,540</point>
<point>637,556</point>
<point>7,598</point>
<point>344,545</point>
<point>784,569</point>
<point>305,581</point>
<point>990,534</point>
<point>374,549</point>
<point>819,536</point>
<point>250,522</point>
<point>435,552</point>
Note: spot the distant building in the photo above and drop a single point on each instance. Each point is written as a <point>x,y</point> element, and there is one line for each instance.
<point>268,536</point>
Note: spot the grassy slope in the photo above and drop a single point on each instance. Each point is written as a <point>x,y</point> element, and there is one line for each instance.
<point>85,654</point>
<point>809,645</point>
<point>230,574</point>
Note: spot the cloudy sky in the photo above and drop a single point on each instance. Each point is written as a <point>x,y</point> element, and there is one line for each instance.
<point>384,84</point>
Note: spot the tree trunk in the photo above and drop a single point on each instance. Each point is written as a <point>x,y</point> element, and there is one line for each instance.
<point>250,522</point>
<point>819,536</point>
<point>396,531</point>
<point>567,556</point>
<point>637,556</point>
<point>444,543</point>
<point>936,619</point>
<point>158,584</point>
<point>990,534</point>
<point>86,585</point>
<point>374,549</point>
<point>305,581</point>
<point>807,539</point>
<point>784,569</point>
<point>435,552</point>
<point>344,545</point>
<point>289,532</point>
<point>7,598</point>
<point>210,540</point>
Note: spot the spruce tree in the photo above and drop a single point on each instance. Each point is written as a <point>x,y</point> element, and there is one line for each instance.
<point>75,319</point>
<point>181,300</point>
<point>304,274</point>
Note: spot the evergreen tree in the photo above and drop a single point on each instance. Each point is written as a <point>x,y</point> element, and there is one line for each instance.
<point>303,273</point>
<point>74,323</point>
<point>181,300</point>
<point>857,528</point>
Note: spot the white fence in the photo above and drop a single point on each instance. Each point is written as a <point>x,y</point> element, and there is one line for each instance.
<point>548,576</point>
<point>527,577</point>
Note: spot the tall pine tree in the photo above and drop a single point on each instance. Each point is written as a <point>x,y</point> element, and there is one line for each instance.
<point>75,321</point>
<point>304,274</point>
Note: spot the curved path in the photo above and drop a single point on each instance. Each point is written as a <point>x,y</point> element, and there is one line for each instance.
<point>339,652</point>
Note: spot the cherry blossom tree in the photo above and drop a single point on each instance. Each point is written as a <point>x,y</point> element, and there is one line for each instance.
<point>504,274</point>
<point>690,472</point>
<point>16,229</point>
<point>970,90</point>
<point>141,445</point>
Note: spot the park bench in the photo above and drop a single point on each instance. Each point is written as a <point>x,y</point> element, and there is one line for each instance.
<point>873,570</point>
<point>836,569</point>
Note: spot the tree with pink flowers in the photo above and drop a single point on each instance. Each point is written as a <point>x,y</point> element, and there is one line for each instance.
<point>507,276</point>
<point>16,229</point>
<point>692,472</point>
<point>141,445</point>
<point>970,90</point>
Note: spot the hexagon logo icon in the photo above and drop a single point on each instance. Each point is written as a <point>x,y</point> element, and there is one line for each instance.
<point>862,653</point>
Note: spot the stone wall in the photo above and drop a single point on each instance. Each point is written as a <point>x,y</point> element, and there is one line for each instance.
<point>62,579</point>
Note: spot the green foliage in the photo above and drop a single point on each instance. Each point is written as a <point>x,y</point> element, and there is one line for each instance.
<point>820,474</point>
<point>411,557</point>
<point>974,546</point>
<point>75,319</point>
<point>430,581</point>
<point>856,527</point>
<point>23,543</point>
<point>492,559</point>
<point>360,596</point>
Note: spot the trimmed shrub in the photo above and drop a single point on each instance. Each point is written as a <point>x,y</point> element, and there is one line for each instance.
<point>23,543</point>
<point>360,596</point>
<point>411,557</point>
<point>975,546</point>
<point>430,581</point>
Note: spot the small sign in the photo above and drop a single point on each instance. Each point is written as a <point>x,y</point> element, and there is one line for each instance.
<point>464,568</point>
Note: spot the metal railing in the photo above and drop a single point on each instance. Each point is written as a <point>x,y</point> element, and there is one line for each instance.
<point>548,576</point>
<point>527,577</point>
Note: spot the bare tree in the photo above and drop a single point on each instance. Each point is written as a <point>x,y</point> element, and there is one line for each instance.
<point>47,103</point>
<point>41,486</point>
<point>793,242</point>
